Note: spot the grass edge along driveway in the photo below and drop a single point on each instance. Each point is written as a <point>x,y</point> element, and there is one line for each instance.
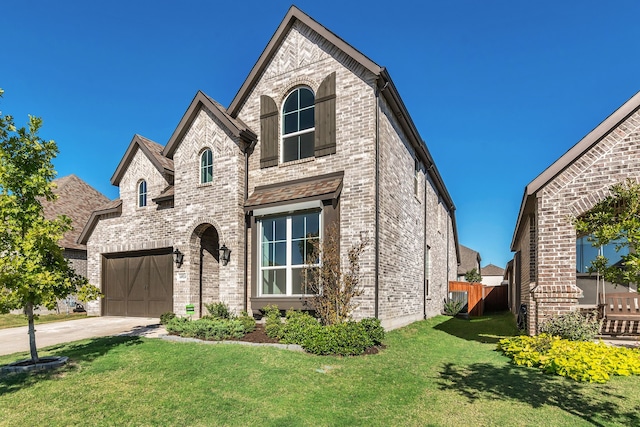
<point>442,371</point>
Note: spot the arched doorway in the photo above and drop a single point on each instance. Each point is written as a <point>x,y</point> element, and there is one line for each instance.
<point>206,246</point>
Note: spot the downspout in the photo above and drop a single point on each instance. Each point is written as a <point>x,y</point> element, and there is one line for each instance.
<point>424,251</point>
<point>377,201</point>
<point>448,221</point>
<point>249,148</point>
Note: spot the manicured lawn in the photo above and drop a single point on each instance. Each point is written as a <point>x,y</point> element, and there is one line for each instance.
<point>13,320</point>
<point>440,372</point>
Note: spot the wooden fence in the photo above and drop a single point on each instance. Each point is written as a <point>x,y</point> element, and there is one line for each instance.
<point>481,299</point>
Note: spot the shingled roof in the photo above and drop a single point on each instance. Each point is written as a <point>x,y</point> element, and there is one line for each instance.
<point>469,259</point>
<point>492,270</point>
<point>151,149</point>
<point>77,200</point>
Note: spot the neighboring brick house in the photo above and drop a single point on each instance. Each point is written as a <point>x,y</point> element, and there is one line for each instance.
<point>77,200</point>
<point>546,271</point>
<point>317,135</point>
<point>469,259</point>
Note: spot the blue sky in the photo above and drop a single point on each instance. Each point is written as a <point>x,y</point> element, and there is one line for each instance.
<point>498,89</point>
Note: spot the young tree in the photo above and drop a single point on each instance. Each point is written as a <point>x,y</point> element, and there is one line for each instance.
<point>472,276</point>
<point>33,271</point>
<point>615,219</point>
<point>335,290</point>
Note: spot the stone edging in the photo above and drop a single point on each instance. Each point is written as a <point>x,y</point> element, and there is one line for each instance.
<point>291,347</point>
<point>45,366</point>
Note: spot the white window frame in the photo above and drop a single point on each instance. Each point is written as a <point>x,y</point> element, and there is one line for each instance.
<point>203,167</point>
<point>297,133</point>
<point>142,194</point>
<point>288,266</point>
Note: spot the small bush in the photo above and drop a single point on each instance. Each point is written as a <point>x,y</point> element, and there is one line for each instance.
<point>177,325</point>
<point>206,329</point>
<point>273,322</point>
<point>374,329</point>
<point>219,310</point>
<point>579,360</point>
<point>345,339</point>
<point>573,326</point>
<point>165,317</point>
<point>453,307</point>
<point>298,325</point>
<point>247,321</point>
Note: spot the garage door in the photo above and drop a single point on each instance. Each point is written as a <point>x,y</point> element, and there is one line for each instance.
<point>137,284</point>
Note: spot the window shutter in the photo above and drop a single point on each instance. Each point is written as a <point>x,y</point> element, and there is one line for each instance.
<point>325,117</point>
<point>268,132</point>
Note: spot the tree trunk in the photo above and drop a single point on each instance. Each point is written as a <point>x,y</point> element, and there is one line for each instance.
<point>32,333</point>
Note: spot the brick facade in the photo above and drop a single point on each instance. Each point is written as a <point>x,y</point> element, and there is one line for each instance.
<point>411,218</point>
<point>545,237</point>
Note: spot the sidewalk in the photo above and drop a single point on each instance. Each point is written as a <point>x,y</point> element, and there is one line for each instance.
<point>13,340</point>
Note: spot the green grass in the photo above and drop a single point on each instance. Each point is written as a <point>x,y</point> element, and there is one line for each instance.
<point>13,320</point>
<point>439,372</point>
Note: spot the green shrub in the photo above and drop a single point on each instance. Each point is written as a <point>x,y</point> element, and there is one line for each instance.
<point>219,310</point>
<point>206,328</point>
<point>273,321</point>
<point>579,360</point>
<point>248,322</point>
<point>573,326</point>
<point>453,307</point>
<point>176,325</point>
<point>374,329</point>
<point>165,317</point>
<point>297,326</point>
<point>345,339</point>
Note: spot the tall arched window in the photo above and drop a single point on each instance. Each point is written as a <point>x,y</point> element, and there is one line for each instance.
<point>298,127</point>
<point>206,167</point>
<point>142,194</point>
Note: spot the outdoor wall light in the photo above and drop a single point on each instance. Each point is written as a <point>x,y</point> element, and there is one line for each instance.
<point>178,257</point>
<point>225,254</point>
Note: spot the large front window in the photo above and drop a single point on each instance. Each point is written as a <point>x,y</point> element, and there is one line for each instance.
<point>286,245</point>
<point>298,125</point>
<point>585,253</point>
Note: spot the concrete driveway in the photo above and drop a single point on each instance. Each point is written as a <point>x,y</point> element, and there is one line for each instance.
<point>13,340</point>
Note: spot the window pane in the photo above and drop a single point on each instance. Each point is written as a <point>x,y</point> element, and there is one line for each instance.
<point>274,282</point>
<point>291,104</point>
<point>301,282</point>
<point>274,229</point>
<point>281,228</point>
<point>306,98</point>
<point>267,230</point>
<point>297,226</point>
<point>290,149</point>
<point>306,119</point>
<point>307,145</point>
<point>298,252</point>
<point>313,225</point>
<point>291,123</point>
<point>279,257</point>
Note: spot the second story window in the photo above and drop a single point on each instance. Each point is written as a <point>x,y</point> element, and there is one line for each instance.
<point>206,167</point>
<point>298,126</point>
<point>142,194</point>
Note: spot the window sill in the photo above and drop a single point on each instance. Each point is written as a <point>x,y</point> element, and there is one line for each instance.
<point>296,162</point>
<point>206,184</point>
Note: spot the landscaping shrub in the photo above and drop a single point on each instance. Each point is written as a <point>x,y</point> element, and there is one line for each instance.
<point>273,322</point>
<point>206,328</point>
<point>345,339</point>
<point>579,360</point>
<point>297,326</point>
<point>573,326</point>
<point>453,307</point>
<point>218,310</point>
<point>248,322</point>
<point>165,317</point>
<point>374,329</point>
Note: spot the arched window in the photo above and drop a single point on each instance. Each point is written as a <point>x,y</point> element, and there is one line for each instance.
<point>206,166</point>
<point>298,126</point>
<point>142,194</point>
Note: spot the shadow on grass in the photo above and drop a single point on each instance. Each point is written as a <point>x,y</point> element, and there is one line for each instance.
<point>591,402</point>
<point>490,328</point>
<point>82,352</point>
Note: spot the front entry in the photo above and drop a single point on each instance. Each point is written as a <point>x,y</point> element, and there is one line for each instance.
<point>206,242</point>
<point>137,284</point>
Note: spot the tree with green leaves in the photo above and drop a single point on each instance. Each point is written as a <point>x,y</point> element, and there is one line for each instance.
<point>472,276</point>
<point>33,271</point>
<point>615,219</point>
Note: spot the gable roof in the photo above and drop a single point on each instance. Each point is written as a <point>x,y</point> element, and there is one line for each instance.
<point>384,84</point>
<point>151,149</point>
<point>76,199</point>
<point>234,125</point>
<point>492,270</point>
<point>112,207</point>
<point>469,259</point>
<point>568,158</point>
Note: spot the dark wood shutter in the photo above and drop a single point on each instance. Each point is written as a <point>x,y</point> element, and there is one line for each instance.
<point>325,117</point>
<point>268,132</point>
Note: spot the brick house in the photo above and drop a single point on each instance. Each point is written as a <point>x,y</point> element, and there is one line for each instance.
<point>548,271</point>
<point>317,135</point>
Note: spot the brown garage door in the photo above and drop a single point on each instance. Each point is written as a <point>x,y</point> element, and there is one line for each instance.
<point>137,284</point>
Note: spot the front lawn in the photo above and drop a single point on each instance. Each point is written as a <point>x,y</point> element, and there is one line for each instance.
<point>14,320</point>
<point>442,372</point>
